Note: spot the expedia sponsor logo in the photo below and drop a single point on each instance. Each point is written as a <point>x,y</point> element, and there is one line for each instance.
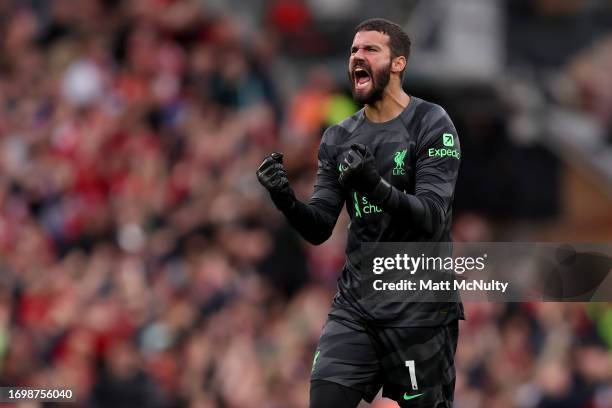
<point>444,152</point>
<point>448,140</point>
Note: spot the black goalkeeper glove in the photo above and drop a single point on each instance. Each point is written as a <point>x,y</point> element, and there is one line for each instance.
<point>360,174</point>
<point>273,176</point>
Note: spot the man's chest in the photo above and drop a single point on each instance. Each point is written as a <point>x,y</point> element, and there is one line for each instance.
<point>394,151</point>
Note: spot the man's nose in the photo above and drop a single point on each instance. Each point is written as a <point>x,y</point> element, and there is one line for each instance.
<point>357,59</point>
<point>358,54</point>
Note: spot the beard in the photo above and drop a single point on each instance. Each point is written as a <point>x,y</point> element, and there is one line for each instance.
<point>378,82</point>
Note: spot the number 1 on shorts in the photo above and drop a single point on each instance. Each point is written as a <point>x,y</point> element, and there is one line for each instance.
<point>412,371</point>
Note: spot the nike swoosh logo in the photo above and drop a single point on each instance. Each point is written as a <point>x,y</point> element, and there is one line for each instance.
<point>409,397</point>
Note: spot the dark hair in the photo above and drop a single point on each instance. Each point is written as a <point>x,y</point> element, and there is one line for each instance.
<point>399,42</point>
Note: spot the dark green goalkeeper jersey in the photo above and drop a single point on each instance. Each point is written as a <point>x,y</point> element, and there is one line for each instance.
<point>418,153</point>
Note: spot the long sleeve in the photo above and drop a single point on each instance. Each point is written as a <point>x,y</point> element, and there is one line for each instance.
<point>316,219</point>
<point>438,156</point>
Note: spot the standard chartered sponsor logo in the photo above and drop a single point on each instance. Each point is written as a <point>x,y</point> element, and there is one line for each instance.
<point>363,206</point>
<point>368,208</point>
<point>357,209</point>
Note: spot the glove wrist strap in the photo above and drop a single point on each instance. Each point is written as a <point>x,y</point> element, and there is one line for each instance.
<point>380,193</point>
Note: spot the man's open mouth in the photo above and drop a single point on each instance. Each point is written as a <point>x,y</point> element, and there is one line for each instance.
<point>361,77</point>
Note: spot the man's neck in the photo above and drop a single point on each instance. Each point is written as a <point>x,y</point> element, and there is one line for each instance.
<point>393,102</point>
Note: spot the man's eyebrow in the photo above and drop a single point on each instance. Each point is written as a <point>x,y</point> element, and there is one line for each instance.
<point>378,47</point>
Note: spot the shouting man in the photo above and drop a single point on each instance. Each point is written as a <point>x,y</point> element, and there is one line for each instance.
<point>394,163</point>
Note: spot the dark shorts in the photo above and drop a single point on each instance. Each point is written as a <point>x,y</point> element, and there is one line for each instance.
<point>414,365</point>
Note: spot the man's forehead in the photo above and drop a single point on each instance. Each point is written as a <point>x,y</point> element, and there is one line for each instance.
<point>370,37</point>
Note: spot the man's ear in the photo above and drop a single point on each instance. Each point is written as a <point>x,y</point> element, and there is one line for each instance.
<point>398,64</point>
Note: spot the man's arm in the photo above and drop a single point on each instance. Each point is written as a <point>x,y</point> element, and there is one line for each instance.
<point>316,219</point>
<point>437,167</point>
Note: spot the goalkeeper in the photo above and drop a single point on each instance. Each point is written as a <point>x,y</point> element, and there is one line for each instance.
<point>394,163</point>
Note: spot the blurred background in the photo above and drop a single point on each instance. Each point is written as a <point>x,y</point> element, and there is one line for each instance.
<point>142,265</point>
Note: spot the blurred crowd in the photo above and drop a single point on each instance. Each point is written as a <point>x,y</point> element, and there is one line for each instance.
<point>568,44</point>
<point>140,262</point>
